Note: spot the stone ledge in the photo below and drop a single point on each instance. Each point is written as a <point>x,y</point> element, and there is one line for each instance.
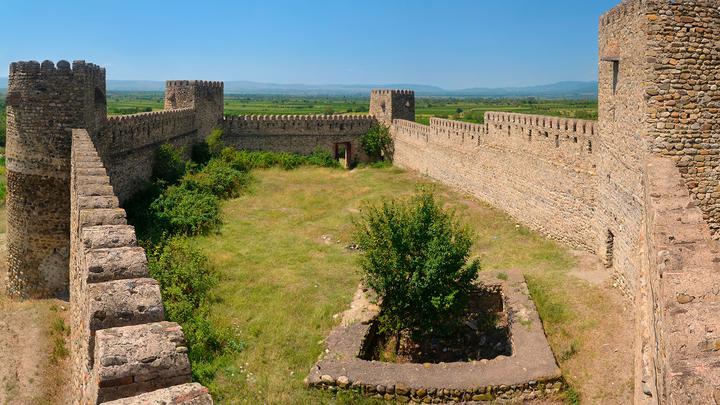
<point>131,360</point>
<point>100,201</point>
<point>124,303</point>
<point>530,372</point>
<point>115,264</point>
<point>108,236</point>
<point>186,394</point>
<point>101,216</point>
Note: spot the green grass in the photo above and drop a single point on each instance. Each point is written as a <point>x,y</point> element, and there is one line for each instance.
<point>285,271</point>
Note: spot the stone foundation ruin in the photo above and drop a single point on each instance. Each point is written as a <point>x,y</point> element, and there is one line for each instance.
<point>639,188</point>
<point>528,373</point>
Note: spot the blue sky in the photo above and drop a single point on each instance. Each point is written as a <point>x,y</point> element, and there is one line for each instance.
<point>453,44</point>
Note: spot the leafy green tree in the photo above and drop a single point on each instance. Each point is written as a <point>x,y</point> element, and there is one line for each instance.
<point>415,257</point>
<point>377,142</point>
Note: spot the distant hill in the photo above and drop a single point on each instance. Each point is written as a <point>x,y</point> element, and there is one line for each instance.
<point>569,89</point>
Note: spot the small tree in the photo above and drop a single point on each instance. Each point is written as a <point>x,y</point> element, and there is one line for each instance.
<point>415,256</point>
<point>377,141</point>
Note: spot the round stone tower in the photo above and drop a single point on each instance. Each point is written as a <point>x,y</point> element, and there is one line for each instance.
<point>44,102</point>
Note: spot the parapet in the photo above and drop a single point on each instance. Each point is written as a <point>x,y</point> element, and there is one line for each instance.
<point>203,83</point>
<point>121,344</point>
<point>48,68</point>
<point>621,11</point>
<point>393,91</point>
<point>579,126</point>
<point>299,118</point>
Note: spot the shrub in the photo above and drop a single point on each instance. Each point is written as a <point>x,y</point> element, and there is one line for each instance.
<point>3,192</point>
<point>415,256</point>
<point>214,142</point>
<point>243,160</point>
<point>218,178</point>
<point>141,215</point>
<point>377,141</point>
<point>186,280</point>
<point>169,164</point>
<point>200,153</point>
<point>323,158</point>
<point>183,210</point>
<point>184,276</point>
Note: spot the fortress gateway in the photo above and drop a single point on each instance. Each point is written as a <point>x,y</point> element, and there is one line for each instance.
<point>640,188</point>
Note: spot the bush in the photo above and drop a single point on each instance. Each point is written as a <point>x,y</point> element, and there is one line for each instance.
<point>243,160</point>
<point>142,216</point>
<point>323,158</point>
<point>215,143</point>
<point>183,210</point>
<point>169,164</point>
<point>377,141</point>
<point>184,277</point>
<point>218,178</point>
<point>186,280</point>
<point>415,256</point>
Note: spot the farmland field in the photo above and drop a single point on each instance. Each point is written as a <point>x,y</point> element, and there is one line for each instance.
<point>466,109</point>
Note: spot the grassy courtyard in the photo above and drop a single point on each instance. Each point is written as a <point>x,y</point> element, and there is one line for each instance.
<point>285,273</point>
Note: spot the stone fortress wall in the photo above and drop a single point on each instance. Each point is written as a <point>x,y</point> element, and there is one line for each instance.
<point>538,169</point>
<point>297,133</point>
<point>120,344</point>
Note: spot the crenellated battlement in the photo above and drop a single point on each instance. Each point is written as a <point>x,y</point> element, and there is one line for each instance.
<point>116,309</point>
<point>49,67</point>
<point>147,117</point>
<point>298,118</point>
<point>392,91</point>
<point>621,11</point>
<point>579,126</point>
<point>443,123</point>
<point>203,83</point>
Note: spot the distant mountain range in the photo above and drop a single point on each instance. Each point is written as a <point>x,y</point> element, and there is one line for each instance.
<point>569,89</point>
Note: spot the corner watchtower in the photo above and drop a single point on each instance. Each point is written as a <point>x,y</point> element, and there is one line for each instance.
<point>205,97</point>
<point>387,105</point>
<point>44,102</point>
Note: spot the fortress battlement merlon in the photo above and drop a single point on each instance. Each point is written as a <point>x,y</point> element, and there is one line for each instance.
<point>204,83</point>
<point>297,118</point>
<point>392,91</point>
<point>585,127</point>
<point>49,67</point>
<point>622,10</point>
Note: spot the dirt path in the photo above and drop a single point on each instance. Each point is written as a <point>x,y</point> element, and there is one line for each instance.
<point>601,365</point>
<point>33,336</point>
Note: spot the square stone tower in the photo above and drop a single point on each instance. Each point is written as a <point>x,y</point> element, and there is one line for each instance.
<point>387,105</point>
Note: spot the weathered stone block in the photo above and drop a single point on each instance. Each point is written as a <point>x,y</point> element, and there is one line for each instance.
<point>131,360</point>
<point>186,394</point>
<point>115,264</point>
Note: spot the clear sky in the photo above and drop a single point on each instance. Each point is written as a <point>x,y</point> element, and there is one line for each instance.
<point>452,43</point>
